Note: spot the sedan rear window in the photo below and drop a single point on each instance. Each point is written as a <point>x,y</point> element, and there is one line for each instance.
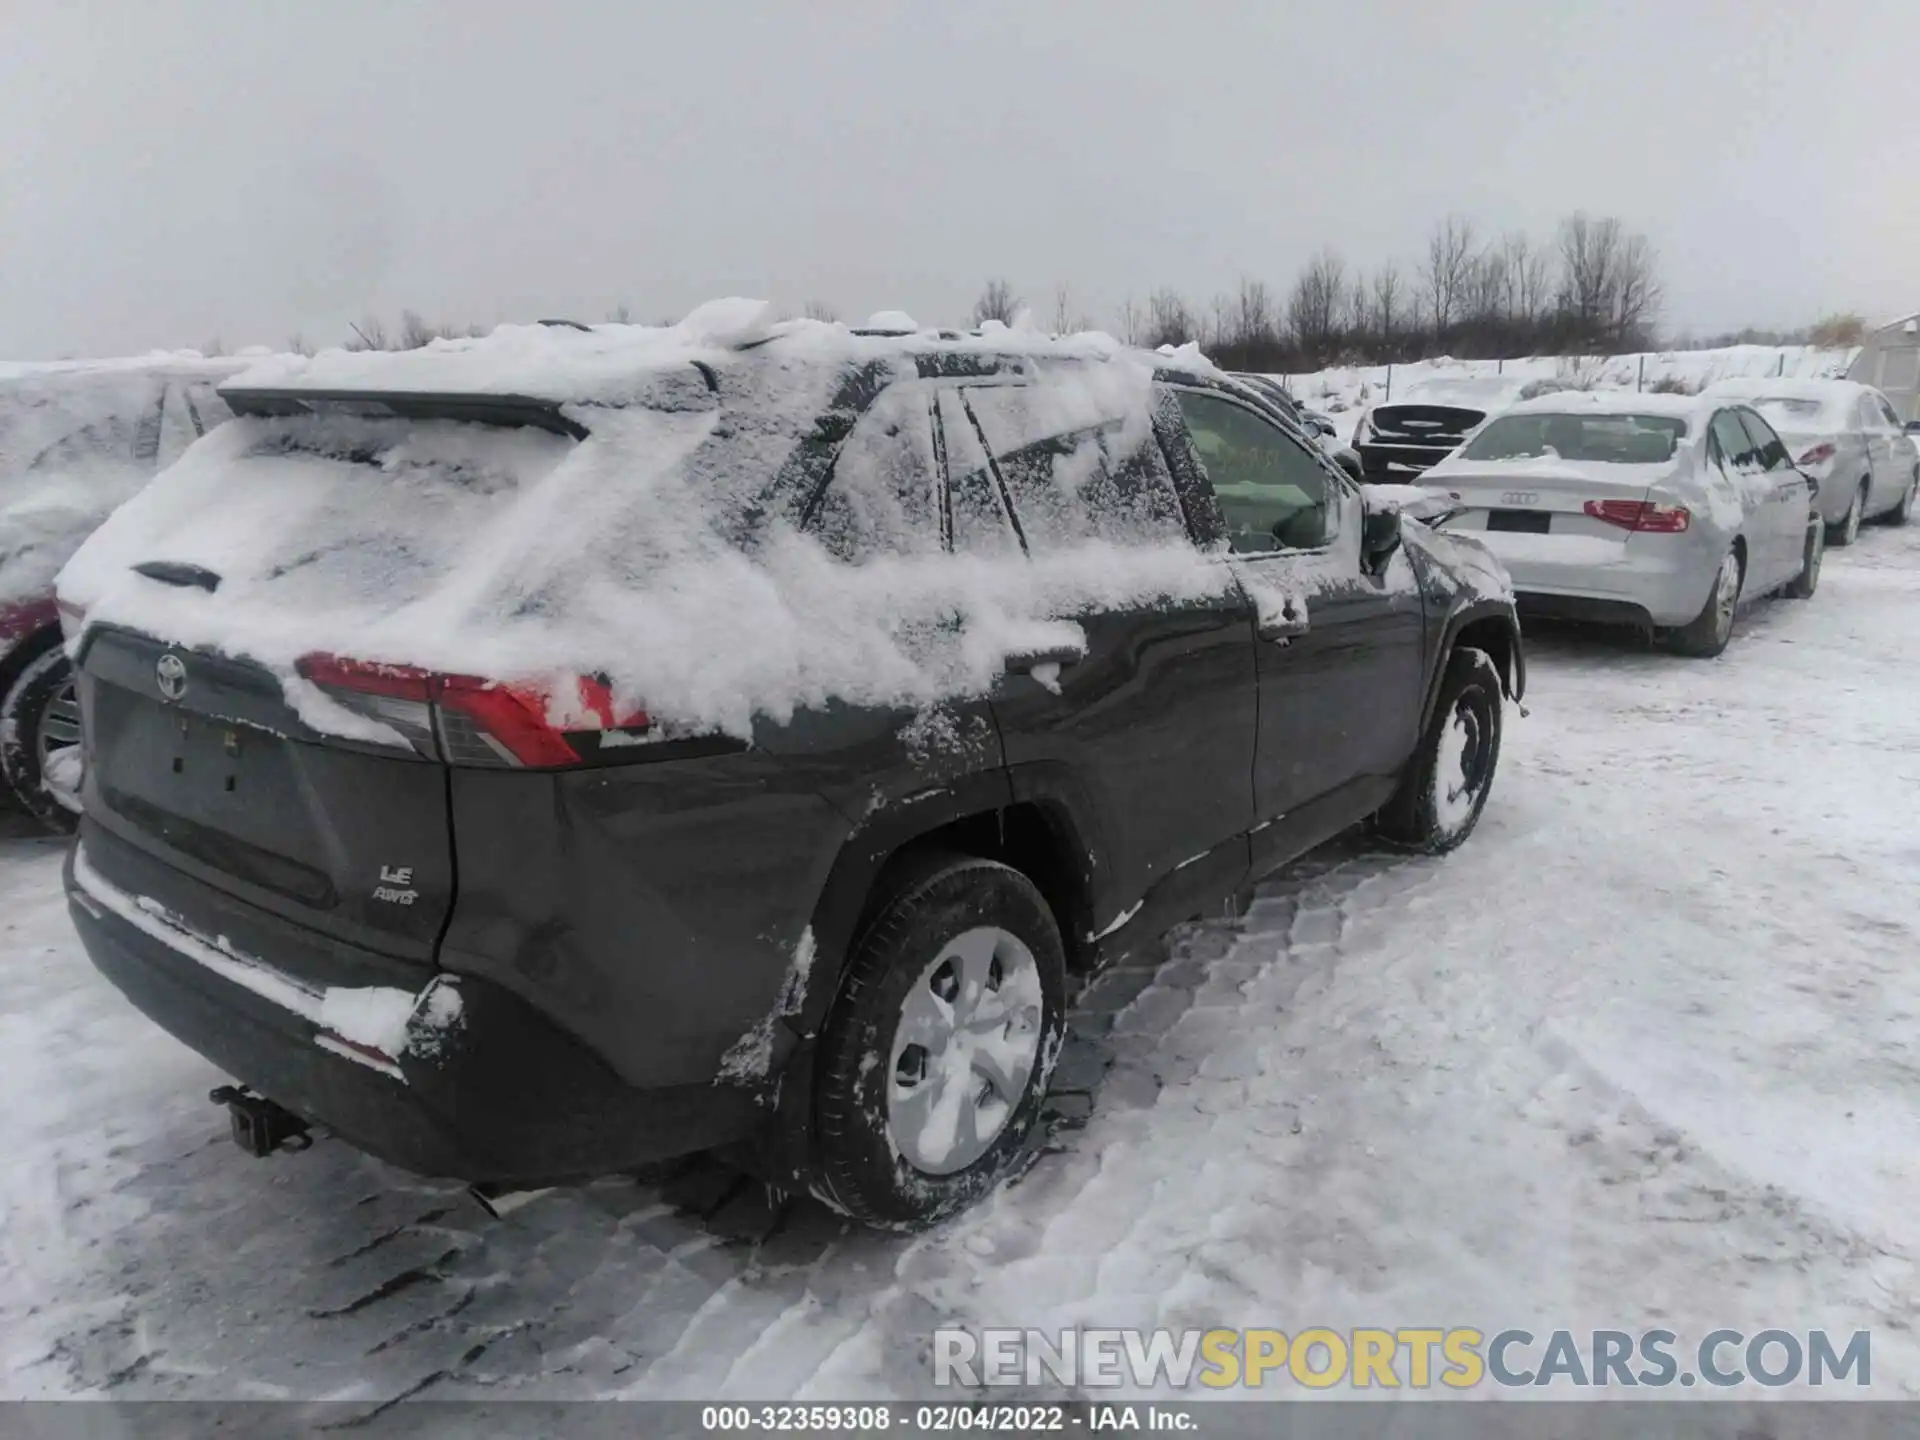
<point>1601,439</point>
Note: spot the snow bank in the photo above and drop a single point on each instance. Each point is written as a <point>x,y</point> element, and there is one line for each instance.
<point>77,438</point>
<point>662,551</point>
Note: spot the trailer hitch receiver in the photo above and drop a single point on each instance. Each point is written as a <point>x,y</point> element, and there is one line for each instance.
<point>261,1127</point>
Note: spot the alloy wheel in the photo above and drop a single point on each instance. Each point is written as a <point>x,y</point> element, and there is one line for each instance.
<point>58,750</point>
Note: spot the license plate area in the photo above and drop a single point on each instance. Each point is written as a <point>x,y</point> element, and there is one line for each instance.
<point>1520,522</point>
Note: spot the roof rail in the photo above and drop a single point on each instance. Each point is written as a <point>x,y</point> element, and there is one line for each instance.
<point>569,324</point>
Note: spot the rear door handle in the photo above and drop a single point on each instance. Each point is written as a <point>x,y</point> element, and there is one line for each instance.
<point>1283,629</point>
<point>1028,661</point>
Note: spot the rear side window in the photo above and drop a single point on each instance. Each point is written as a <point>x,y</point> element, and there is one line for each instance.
<point>977,515</point>
<point>1886,410</point>
<point>1101,478</point>
<point>1769,451</point>
<point>880,498</point>
<point>1731,440</point>
<point>1273,494</point>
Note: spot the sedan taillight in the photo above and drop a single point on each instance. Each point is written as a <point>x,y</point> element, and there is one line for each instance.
<point>1818,455</point>
<point>1642,517</point>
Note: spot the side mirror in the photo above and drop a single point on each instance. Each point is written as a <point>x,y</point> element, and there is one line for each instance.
<point>1379,535</point>
<point>1913,427</point>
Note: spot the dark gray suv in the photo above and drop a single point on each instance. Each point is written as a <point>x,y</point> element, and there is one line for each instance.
<point>485,935</point>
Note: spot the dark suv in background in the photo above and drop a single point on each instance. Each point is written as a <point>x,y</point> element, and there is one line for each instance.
<point>495,946</point>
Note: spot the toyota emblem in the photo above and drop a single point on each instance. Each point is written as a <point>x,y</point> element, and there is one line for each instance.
<point>1520,497</point>
<point>171,673</point>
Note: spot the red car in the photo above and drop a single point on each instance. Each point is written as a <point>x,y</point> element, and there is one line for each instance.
<point>76,439</point>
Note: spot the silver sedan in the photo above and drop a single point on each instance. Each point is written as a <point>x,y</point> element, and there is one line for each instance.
<point>1848,438</point>
<point>1657,510</point>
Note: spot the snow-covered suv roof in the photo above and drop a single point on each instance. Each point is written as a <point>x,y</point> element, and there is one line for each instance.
<point>616,364</point>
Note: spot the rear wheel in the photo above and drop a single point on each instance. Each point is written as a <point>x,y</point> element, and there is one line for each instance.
<point>1808,580</point>
<point>1709,631</point>
<point>1903,512</point>
<point>1848,530</point>
<point>40,741</point>
<point>1447,782</point>
<point>936,1058</point>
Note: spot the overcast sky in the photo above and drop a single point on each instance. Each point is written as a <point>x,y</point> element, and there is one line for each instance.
<point>172,171</point>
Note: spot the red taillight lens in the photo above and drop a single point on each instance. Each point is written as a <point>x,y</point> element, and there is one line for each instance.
<point>1819,454</point>
<point>367,677</point>
<point>465,719</point>
<point>1643,517</point>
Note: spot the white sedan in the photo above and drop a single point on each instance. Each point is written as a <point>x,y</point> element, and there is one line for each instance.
<point>1848,438</point>
<point>1656,510</point>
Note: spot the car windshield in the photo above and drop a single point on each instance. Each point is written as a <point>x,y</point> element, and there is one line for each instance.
<point>1605,439</point>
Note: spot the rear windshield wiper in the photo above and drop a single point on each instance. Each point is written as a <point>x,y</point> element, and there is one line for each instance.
<point>172,572</point>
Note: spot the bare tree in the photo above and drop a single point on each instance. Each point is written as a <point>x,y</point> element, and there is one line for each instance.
<point>1444,275</point>
<point>1169,320</point>
<point>621,314</point>
<point>1528,278</point>
<point>369,334</point>
<point>1589,275</point>
<point>821,310</point>
<point>297,344</point>
<point>1133,325</point>
<point>996,302</point>
<point>214,348</point>
<point>1314,308</point>
<point>1254,325</point>
<point>1636,293</point>
<point>415,333</point>
<point>1389,305</point>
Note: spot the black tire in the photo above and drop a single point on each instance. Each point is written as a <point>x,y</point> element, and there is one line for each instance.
<point>1903,511</point>
<point>1707,634</point>
<point>1427,812</point>
<point>938,898</point>
<point>1848,530</point>
<point>40,690</point>
<point>1808,580</point>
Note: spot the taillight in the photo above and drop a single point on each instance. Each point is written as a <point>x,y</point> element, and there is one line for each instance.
<point>467,720</point>
<point>1643,517</point>
<point>1819,455</point>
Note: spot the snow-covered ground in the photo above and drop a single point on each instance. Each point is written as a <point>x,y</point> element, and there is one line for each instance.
<point>1643,1052</point>
<point>1343,392</point>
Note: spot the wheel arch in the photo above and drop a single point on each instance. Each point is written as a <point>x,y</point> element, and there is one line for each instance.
<point>1490,626</point>
<point>1040,836</point>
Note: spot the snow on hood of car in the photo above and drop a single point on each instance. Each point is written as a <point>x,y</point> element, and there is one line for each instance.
<point>528,557</point>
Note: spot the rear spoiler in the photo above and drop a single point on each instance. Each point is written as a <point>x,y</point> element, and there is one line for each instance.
<point>517,411</point>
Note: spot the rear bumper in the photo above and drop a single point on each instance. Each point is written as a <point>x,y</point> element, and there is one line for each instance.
<point>1656,580</point>
<point>1381,460</point>
<point>497,1094</point>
